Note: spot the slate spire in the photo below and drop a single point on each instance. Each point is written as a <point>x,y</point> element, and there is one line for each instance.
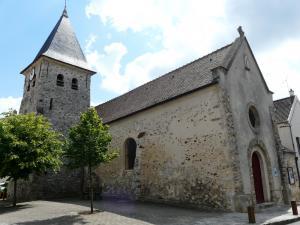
<point>62,45</point>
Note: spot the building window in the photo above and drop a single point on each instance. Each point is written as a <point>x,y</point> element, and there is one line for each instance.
<point>60,80</point>
<point>298,144</point>
<point>74,84</point>
<point>40,110</point>
<point>253,117</point>
<point>51,104</point>
<point>246,62</point>
<point>130,153</point>
<point>28,86</point>
<point>33,80</point>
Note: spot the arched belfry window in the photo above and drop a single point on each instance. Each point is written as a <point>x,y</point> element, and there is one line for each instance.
<point>130,153</point>
<point>60,80</point>
<point>33,80</point>
<point>74,84</point>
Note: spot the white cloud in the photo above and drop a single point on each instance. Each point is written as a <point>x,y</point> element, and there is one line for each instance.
<point>9,103</point>
<point>90,41</point>
<point>280,67</point>
<point>187,31</point>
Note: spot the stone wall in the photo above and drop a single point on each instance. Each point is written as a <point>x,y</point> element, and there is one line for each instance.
<point>183,154</point>
<point>67,103</point>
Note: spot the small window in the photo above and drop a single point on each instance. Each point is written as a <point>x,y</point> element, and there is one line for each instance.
<point>51,104</point>
<point>130,153</point>
<point>253,117</point>
<point>40,110</point>
<point>60,80</point>
<point>33,80</point>
<point>28,86</point>
<point>298,144</point>
<point>246,62</point>
<point>74,84</point>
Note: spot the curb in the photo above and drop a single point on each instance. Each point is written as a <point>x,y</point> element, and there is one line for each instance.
<point>283,222</point>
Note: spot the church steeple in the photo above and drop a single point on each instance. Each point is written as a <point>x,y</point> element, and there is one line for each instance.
<point>57,85</point>
<point>62,45</point>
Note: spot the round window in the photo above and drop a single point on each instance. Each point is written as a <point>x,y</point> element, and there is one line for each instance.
<point>253,117</point>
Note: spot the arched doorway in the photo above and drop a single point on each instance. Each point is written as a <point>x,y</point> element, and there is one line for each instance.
<point>257,177</point>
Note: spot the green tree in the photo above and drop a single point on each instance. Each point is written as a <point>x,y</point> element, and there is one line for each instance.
<point>88,145</point>
<point>27,144</point>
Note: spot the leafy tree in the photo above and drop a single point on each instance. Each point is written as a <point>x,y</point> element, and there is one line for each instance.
<point>27,144</point>
<point>88,145</point>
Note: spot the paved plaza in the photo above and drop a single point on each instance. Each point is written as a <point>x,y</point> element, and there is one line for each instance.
<point>122,212</point>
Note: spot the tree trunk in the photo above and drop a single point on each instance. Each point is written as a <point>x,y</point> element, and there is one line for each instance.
<point>82,182</point>
<point>15,193</point>
<point>91,189</point>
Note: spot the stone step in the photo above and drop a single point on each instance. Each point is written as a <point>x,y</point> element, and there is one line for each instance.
<point>265,205</point>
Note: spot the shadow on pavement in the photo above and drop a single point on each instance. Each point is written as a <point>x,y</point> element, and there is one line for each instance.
<point>72,219</point>
<point>6,208</point>
<point>158,214</point>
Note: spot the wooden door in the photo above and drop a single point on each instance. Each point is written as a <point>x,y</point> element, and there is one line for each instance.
<point>258,183</point>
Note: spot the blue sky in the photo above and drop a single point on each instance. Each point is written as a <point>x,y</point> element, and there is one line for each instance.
<point>131,42</point>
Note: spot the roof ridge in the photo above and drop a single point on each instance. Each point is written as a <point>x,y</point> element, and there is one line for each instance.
<point>283,99</point>
<point>168,73</point>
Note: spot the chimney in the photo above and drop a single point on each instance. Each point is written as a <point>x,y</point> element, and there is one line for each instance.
<point>292,93</point>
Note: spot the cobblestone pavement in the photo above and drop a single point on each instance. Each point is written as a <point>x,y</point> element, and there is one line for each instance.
<point>121,212</point>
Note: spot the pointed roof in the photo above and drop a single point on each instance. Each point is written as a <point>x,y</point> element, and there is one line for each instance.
<point>62,45</point>
<point>283,109</point>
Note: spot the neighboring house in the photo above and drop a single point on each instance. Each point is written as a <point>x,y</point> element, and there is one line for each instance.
<point>287,117</point>
<point>200,135</point>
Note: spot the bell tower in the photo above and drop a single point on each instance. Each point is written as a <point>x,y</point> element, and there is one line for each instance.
<point>57,82</point>
<point>57,85</point>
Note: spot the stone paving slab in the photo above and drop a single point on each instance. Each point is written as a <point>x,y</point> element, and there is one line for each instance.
<point>122,212</point>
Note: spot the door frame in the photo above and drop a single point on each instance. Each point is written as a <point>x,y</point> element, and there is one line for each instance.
<point>264,173</point>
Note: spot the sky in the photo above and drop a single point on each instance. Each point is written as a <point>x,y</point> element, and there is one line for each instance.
<point>134,41</point>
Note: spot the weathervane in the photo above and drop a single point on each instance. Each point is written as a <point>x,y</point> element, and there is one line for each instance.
<point>65,4</point>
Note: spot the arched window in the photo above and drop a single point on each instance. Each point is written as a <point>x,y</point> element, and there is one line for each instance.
<point>33,80</point>
<point>74,84</point>
<point>28,86</point>
<point>130,153</point>
<point>60,80</point>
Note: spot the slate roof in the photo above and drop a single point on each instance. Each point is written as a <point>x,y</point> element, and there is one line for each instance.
<point>62,45</point>
<point>282,109</point>
<point>193,76</point>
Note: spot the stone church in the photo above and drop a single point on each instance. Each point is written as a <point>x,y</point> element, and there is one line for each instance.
<point>202,135</point>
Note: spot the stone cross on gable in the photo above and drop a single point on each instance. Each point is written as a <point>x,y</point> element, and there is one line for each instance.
<point>241,32</point>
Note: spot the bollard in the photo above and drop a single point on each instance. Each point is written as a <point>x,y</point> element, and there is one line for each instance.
<point>294,207</point>
<point>251,214</point>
